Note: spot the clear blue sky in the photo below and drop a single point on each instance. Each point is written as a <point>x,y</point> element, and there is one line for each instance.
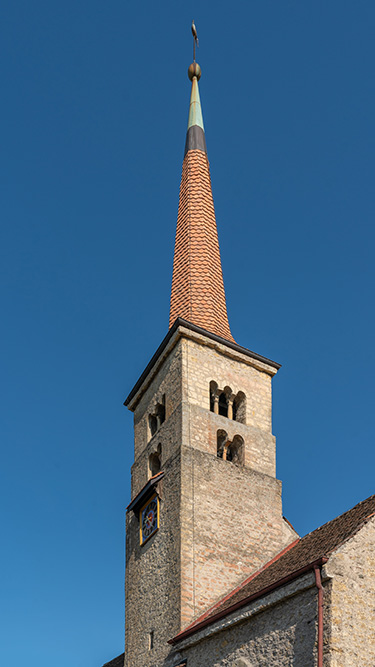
<point>94,111</point>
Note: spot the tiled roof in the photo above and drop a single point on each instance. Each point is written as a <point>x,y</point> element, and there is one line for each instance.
<point>290,563</point>
<point>197,285</point>
<point>116,662</point>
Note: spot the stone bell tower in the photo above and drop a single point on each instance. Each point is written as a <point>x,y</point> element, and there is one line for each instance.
<point>206,505</point>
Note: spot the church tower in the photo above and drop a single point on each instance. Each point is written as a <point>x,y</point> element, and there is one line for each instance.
<point>206,505</point>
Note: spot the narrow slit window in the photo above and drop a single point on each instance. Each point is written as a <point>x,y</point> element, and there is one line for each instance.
<point>239,408</point>
<point>154,462</point>
<point>214,397</point>
<point>157,417</point>
<point>153,424</point>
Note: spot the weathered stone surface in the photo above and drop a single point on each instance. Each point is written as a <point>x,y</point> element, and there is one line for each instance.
<point>351,629</point>
<point>278,630</point>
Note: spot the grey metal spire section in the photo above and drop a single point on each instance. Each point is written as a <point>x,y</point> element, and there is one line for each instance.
<point>195,138</point>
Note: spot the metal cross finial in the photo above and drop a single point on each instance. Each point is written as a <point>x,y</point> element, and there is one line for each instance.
<point>195,36</point>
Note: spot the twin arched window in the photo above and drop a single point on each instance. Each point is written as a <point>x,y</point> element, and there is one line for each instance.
<point>227,404</point>
<point>230,450</point>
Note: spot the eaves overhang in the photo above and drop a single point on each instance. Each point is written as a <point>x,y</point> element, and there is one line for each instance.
<point>211,620</point>
<point>144,493</point>
<point>180,322</point>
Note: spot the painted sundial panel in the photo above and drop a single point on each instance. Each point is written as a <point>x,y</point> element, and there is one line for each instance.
<point>149,519</point>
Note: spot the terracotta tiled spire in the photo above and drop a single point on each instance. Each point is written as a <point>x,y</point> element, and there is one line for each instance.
<point>197,284</point>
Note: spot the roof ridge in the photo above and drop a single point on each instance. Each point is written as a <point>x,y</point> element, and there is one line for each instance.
<point>200,623</point>
<point>339,516</point>
<point>355,530</point>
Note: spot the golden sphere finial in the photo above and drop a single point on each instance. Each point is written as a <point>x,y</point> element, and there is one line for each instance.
<point>194,70</point>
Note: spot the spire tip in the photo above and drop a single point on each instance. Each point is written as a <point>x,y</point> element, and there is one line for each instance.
<point>195,37</point>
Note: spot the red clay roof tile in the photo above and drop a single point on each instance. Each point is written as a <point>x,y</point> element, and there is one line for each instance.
<point>197,285</point>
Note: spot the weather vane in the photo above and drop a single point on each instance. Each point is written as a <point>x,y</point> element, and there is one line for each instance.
<point>195,36</point>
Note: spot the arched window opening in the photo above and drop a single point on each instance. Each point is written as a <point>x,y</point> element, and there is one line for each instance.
<point>239,408</point>
<point>235,451</point>
<point>222,439</point>
<point>223,405</point>
<point>213,397</point>
<point>227,450</point>
<point>153,424</point>
<point>160,413</point>
<point>227,404</point>
<point>157,417</point>
<point>154,462</point>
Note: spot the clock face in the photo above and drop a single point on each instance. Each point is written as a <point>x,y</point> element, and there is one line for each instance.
<point>149,519</point>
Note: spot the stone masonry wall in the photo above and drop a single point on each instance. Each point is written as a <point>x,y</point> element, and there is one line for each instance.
<point>275,631</point>
<point>231,524</point>
<point>204,363</point>
<point>152,580</point>
<point>259,445</point>
<point>201,365</point>
<point>352,609</point>
<point>231,514</point>
<point>168,382</point>
<point>219,521</point>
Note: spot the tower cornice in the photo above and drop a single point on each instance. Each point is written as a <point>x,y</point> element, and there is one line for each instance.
<point>182,328</point>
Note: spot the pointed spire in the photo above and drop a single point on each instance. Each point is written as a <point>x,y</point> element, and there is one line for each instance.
<point>197,284</point>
